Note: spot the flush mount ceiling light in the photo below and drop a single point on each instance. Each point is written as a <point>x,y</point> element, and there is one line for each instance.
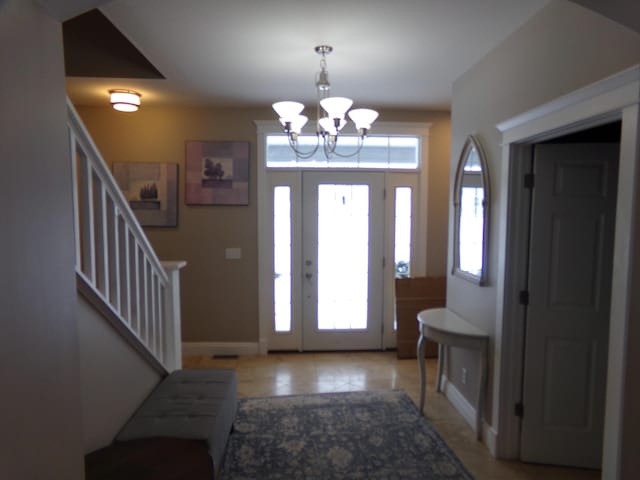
<point>125,100</point>
<point>330,115</point>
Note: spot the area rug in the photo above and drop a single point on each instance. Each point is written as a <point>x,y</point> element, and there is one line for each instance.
<point>353,435</point>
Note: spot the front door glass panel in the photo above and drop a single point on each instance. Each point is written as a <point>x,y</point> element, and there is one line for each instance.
<point>282,258</point>
<point>343,256</point>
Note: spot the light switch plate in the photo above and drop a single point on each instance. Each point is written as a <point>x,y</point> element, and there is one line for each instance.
<point>234,253</point>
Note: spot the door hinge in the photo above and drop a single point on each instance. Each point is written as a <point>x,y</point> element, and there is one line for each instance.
<point>528,180</point>
<point>384,262</point>
<point>524,297</point>
<point>519,410</point>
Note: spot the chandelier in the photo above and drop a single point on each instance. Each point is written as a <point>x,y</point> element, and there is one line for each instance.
<point>330,116</point>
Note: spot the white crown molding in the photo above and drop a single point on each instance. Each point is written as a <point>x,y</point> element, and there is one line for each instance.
<point>623,83</point>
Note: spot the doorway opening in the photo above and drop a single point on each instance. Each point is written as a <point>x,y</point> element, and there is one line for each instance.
<point>571,192</point>
<point>333,234</point>
<point>339,239</point>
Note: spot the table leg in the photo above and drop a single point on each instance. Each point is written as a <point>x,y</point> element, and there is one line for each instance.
<point>423,380</point>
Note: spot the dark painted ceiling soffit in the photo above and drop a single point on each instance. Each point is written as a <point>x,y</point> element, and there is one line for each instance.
<point>94,47</point>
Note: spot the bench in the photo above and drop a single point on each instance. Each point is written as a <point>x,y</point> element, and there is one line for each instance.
<point>189,411</point>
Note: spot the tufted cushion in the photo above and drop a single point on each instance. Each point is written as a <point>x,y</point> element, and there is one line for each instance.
<point>190,404</point>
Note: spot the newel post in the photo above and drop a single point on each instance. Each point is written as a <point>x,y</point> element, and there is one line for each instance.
<point>172,325</point>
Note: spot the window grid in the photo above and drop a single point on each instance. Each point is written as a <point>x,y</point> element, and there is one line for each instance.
<point>378,152</point>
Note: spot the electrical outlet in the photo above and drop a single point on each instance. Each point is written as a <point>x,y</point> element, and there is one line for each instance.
<point>464,376</point>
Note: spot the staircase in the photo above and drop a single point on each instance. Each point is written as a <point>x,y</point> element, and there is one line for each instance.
<point>117,270</point>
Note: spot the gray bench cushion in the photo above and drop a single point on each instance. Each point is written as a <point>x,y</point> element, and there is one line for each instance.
<point>191,404</point>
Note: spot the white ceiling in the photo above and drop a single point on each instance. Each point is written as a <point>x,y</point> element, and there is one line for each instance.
<point>387,54</point>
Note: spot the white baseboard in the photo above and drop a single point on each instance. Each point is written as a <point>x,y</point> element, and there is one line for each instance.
<point>460,403</point>
<point>468,412</point>
<point>220,348</point>
<point>490,438</point>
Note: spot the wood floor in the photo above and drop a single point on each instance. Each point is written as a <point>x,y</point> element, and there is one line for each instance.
<point>296,373</point>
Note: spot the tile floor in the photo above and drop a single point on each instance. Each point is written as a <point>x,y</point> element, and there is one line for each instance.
<point>296,373</point>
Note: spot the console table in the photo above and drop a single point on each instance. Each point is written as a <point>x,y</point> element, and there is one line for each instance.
<point>447,328</point>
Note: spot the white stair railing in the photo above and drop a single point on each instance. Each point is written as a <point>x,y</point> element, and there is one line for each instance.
<point>114,259</point>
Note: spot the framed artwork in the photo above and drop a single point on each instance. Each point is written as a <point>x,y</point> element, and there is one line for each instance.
<point>217,173</point>
<point>151,190</point>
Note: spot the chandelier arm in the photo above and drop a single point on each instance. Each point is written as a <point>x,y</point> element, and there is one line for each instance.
<point>329,144</point>
<point>348,155</point>
<point>301,154</point>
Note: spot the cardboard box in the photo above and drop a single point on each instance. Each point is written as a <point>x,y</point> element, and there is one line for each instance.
<point>413,295</point>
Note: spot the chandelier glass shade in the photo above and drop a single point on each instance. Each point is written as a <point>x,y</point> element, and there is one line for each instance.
<point>331,116</point>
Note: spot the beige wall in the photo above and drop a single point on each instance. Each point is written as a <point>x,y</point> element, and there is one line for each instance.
<point>40,420</point>
<point>562,48</point>
<point>115,379</point>
<point>220,297</point>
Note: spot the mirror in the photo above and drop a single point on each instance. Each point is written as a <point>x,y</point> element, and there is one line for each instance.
<point>471,214</point>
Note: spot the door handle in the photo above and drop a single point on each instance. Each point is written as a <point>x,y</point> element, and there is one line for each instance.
<point>308,276</point>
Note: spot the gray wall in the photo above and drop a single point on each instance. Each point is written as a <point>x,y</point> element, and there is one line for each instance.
<point>115,379</point>
<point>40,421</point>
<point>626,12</point>
<point>562,48</point>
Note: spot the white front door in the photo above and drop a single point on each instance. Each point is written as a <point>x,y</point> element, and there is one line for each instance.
<point>567,325</point>
<point>342,260</point>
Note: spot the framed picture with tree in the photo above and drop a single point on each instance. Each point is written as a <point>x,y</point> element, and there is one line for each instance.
<point>217,173</point>
<point>151,190</point>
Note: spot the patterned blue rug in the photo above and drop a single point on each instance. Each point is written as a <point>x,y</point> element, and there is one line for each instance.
<point>354,435</point>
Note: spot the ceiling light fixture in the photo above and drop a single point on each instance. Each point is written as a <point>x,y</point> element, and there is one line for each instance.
<point>330,116</point>
<point>125,100</point>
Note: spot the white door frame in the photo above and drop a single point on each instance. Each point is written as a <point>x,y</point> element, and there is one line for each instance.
<point>265,215</point>
<point>418,264</point>
<point>292,179</point>
<point>614,98</point>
